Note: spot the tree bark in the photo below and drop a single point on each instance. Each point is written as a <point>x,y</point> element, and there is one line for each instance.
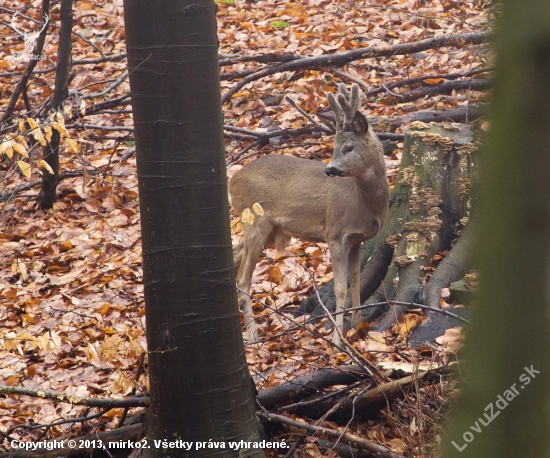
<point>200,387</point>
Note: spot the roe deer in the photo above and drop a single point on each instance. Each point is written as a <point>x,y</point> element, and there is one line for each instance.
<point>301,198</point>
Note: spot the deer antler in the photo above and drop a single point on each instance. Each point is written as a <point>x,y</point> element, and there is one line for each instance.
<point>345,106</point>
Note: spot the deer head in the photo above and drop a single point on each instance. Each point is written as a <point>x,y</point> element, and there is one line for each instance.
<point>350,143</point>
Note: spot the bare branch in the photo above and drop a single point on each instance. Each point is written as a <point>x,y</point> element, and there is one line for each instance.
<point>361,53</point>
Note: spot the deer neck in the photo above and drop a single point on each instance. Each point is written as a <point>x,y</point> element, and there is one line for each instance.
<point>372,187</point>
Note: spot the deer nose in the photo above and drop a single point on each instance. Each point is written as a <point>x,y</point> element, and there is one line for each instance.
<point>332,171</point>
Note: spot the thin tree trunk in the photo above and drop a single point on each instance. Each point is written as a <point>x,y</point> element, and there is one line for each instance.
<point>200,387</point>
<point>47,196</point>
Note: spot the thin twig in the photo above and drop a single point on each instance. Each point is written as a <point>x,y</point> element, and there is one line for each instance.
<point>306,114</point>
<point>348,438</point>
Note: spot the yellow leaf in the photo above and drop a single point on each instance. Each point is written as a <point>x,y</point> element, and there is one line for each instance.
<point>68,109</point>
<point>61,129</point>
<point>25,169</point>
<point>26,336</point>
<point>22,127</point>
<point>10,341</point>
<point>32,123</point>
<point>7,148</point>
<point>258,209</point>
<point>48,131</point>
<point>60,118</point>
<point>20,149</point>
<point>235,228</point>
<point>43,341</point>
<point>21,139</point>
<point>73,146</point>
<point>247,216</point>
<point>42,163</point>
<point>36,132</point>
<point>91,352</point>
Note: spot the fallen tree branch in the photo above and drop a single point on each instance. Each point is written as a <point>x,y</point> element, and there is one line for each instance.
<point>361,53</point>
<point>370,402</point>
<point>461,113</point>
<point>309,384</point>
<point>260,58</point>
<point>420,79</point>
<point>138,401</point>
<point>445,88</point>
<point>348,438</point>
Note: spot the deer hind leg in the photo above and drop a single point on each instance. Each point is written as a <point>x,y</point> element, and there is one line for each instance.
<point>339,256</point>
<point>282,240</point>
<point>255,239</point>
<point>238,255</point>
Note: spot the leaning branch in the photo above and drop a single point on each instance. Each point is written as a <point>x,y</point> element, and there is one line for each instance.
<point>361,53</point>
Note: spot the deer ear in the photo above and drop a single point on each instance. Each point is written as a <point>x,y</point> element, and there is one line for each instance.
<point>360,124</point>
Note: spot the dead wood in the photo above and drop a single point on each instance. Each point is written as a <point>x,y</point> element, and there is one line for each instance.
<point>357,54</point>
<point>367,403</point>
<point>309,384</point>
<point>463,113</point>
<point>471,84</point>
<point>420,79</point>
<point>139,401</point>
<point>384,124</point>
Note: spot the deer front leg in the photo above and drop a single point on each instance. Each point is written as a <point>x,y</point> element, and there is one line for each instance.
<point>354,271</point>
<point>339,256</point>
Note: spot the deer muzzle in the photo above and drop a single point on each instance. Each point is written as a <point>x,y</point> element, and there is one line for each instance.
<point>332,171</point>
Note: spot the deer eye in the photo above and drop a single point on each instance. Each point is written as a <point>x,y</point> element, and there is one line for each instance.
<point>348,149</point>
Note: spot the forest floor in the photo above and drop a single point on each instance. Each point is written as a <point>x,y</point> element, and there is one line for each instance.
<point>71,295</point>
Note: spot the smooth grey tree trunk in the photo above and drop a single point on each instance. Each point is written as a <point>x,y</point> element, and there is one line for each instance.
<point>200,387</point>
